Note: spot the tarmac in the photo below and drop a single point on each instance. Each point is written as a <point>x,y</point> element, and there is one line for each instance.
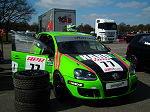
<point>6,82</point>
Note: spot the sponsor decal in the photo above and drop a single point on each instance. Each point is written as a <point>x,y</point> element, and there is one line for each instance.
<point>109,65</point>
<point>75,83</point>
<point>95,56</point>
<point>93,87</point>
<point>65,19</point>
<point>38,59</point>
<point>104,61</point>
<point>147,43</point>
<point>50,25</point>
<point>14,66</point>
<point>50,62</point>
<point>35,63</point>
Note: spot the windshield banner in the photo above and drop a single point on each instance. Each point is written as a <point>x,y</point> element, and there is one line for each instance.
<point>74,38</point>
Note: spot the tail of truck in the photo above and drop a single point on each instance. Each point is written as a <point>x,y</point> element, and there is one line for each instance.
<point>56,20</point>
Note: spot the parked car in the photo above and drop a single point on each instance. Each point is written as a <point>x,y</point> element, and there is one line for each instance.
<point>138,50</point>
<point>129,37</point>
<point>78,65</point>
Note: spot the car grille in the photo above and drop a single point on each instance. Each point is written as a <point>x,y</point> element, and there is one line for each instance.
<point>110,76</point>
<point>89,92</point>
<point>122,75</point>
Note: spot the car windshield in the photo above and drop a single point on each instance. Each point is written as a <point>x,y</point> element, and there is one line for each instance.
<point>80,45</point>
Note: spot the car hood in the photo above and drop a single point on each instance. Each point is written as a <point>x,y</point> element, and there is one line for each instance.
<point>101,63</point>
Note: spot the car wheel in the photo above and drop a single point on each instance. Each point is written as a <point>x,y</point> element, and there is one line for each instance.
<point>59,86</point>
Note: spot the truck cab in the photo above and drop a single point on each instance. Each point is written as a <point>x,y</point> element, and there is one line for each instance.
<point>106,30</point>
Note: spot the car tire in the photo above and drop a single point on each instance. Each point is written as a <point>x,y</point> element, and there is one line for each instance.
<point>31,79</point>
<point>60,90</point>
<point>32,96</point>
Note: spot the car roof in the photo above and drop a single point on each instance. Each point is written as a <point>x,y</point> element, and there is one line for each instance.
<point>66,34</point>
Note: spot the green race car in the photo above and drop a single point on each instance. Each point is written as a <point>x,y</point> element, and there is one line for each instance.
<point>77,64</point>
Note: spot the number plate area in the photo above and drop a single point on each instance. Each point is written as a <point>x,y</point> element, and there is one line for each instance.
<point>116,85</point>
<point>35,63</point>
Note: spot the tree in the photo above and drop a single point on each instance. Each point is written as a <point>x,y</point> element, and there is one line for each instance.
<point>141,27</point>
<point>122,28</point>
<point>80,28</point>
<point>88,28</point>
<point>85,28</point>
<point>34,27</point>
<point>12,11</point>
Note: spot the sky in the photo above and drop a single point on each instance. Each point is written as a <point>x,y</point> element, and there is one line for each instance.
<point>132,12</point>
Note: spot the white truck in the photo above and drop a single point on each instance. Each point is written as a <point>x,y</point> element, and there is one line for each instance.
<point>56,20</point>
<point>106,30</point>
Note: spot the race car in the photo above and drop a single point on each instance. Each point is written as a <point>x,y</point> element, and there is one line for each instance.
<point>78,65</point>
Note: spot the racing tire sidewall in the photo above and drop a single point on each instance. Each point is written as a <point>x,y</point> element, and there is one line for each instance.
<point>31,79</point>
<point>31,107</point>
<point>33,96</point>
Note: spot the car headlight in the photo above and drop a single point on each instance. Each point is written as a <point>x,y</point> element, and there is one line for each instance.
<point>84,75</point>
<point>132,69</point>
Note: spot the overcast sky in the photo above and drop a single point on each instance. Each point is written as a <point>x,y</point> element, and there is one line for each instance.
<point>131,12</point>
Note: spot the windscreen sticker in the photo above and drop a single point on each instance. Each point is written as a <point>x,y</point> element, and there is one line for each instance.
<point>14,66</point>
<point>104,61</point>
<point>94,56</point>
<point>108,65</point>
<point>74,38</point>
<point>35,63</point>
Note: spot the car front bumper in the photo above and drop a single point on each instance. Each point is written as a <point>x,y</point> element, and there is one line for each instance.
<point>97,89</point>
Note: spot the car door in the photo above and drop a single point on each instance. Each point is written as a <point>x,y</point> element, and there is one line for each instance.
<point>24,54</point>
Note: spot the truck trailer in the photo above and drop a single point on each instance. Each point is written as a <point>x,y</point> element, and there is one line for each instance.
<point>56,20</point>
